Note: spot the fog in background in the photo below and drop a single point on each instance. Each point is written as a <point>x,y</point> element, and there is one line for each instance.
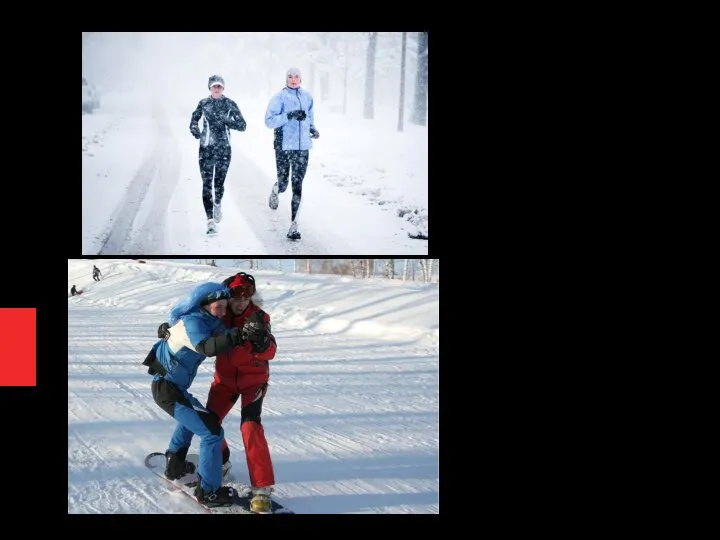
<point>175,66</point>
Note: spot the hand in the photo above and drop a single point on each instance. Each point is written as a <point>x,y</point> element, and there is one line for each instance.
<point>164,331</point>
<point>296,115</point>
<point>314,133</point>
<point>253,327</point>
<point>261,342</point>
<point>236,337</point>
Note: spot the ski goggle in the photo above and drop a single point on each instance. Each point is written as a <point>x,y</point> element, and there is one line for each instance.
<point>245,289</point>
<point>221,294</point>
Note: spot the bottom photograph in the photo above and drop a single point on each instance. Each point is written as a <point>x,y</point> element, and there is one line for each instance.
<point>253,386</point>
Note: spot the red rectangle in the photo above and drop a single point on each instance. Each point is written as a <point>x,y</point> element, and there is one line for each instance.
<point>17,336</point>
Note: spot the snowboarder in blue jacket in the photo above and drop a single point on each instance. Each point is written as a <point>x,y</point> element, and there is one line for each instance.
<point>194,332</point>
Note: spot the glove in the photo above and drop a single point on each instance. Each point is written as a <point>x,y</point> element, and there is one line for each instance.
<point>164,331</point>
<point>256,332</point>
<point>253,327</point>
<point>296,115</point>
<point>261,342</point>
<point>314,133</point>
<point>236,337</point>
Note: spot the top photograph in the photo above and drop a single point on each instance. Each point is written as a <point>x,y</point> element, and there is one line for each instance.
<point>258,143</point>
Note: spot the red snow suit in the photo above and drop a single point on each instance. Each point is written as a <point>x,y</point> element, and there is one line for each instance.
<point>242,373</point>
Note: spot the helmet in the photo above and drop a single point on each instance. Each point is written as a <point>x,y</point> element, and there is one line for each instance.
<point>241,285</point>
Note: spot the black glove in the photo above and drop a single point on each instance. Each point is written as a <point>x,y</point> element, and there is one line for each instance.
<point>261,342</point>
<point>253,327</point>
<point>236,337</point>
<point>314,133</point>
<point>296,115</point>
<point>164,331</point>
<point>256,332</point>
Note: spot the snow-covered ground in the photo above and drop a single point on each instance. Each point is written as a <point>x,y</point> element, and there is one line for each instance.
<point>366,187</point>
<point>351,414</point>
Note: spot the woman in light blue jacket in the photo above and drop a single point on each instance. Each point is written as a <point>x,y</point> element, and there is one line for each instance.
<point>291,114</point>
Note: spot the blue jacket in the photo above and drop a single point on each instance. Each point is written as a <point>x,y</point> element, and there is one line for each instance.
<point>191,325</point>
<point>295,133</point>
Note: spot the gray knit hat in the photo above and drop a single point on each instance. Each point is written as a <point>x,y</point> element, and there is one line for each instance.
<point>293,71</point>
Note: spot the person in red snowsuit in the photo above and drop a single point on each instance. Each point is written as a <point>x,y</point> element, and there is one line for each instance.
<point>243,372</point>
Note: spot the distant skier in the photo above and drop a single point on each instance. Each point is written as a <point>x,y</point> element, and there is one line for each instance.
<point>291,114</point>
<point>74,291</point>
<point>97,275</point>
<point>220,114</point>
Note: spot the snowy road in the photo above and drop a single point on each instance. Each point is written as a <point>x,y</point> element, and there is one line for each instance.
<point>142,195</point>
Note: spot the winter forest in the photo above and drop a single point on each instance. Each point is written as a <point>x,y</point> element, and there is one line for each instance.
<point>404,269</point>
<point>380,73</point>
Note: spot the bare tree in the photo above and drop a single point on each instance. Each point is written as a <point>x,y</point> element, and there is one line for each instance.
<point>345,78</point>
<point>357,267</point>
<point>389,269</point>
<point>423,269</point>
<point>401,107</point>
<point>370,77</point>
<point>421,81</point>
<point>426,266</point>
<point>406,266</point>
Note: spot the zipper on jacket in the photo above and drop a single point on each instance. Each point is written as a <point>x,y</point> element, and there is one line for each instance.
<point>297,95</point>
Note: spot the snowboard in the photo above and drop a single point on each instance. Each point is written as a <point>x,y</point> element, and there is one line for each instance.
<point>155,461</point>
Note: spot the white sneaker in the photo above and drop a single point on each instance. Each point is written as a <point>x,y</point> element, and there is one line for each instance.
<point>273,202</point>
<point>217,212</point>
<point>211,226</point>
<point>293,233</point>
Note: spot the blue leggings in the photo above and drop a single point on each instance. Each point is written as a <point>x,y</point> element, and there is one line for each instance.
<point>193,419</point>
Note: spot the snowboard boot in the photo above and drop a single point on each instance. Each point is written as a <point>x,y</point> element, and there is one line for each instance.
<point>176,466</point>
<point>211,229</point>
<point>217,212</point>
<point>223,496</point>
<point>293,233</point>
<point>260,503</point>
<point>273,202</point>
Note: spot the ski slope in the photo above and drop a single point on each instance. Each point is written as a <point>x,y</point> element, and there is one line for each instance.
<point>351,415</point>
